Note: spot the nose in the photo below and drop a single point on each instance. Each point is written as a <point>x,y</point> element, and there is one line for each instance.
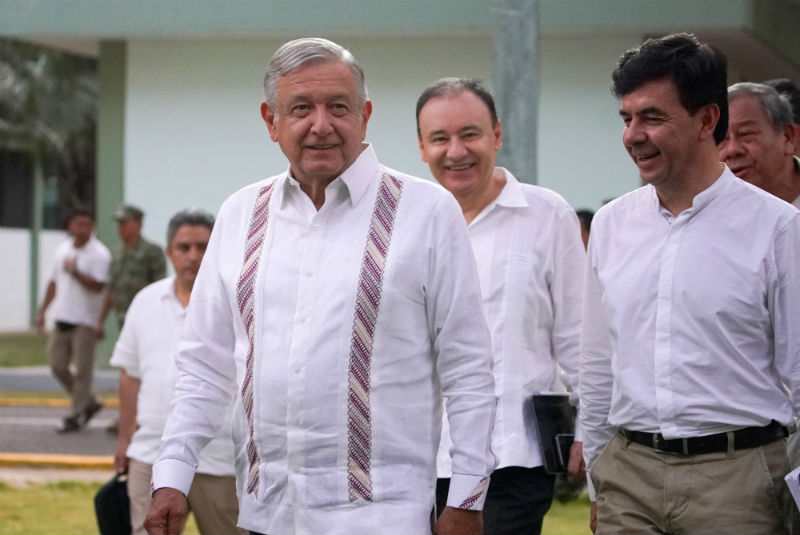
<point>195,254</point>
<point>456,149</point>
<point>633,134</point>
<point>320,122</point>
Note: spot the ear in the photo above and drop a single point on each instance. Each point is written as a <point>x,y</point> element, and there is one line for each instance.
<point>270,117</point>
<point>366,113</point>
<point>789,138</point>
<point>708,117</point>
<point>498,136</point>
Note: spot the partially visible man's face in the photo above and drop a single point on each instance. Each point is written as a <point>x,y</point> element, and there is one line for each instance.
<point>752,149</point>
<point>660,135</point>
<point>80,227</point>
<point>458,142</point>
<point>129,229</point>
<point>186,251</point>
<point>318,123</point>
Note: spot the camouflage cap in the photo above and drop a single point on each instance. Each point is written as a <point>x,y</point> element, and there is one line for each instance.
<point>128,211</point>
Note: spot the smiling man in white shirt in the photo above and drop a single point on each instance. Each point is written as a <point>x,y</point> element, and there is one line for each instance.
<point>339,304</point>
<point>690,309</point>
<point>527,244</point>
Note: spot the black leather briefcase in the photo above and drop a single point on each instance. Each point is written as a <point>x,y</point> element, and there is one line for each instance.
<point>112,507</point>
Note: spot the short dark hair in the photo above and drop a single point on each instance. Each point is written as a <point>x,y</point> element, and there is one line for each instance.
<point>790,92</point>
<point>585,216</point>
<point>455,86</point>
<point>76,212</point>
<point>698,70</point>
<point>192,217</point>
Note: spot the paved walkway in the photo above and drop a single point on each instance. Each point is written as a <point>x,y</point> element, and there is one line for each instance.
<point>31,406</point>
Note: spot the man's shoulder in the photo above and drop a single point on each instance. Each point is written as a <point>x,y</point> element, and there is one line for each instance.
<point>416,186</point>
<point>150,294</point>
<point>544,198</point>
<point>247,194</point>
<point>98,248</point>
<point>150,248</point>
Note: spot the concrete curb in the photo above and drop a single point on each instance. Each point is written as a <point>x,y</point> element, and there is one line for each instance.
<point>57,460</point>
<point>110,403</point>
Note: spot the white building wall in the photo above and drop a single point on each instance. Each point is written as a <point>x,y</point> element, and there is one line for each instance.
<point>193,132</point>
<point>14,262</point>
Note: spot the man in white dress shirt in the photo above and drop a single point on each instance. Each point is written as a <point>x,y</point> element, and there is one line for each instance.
<point>80,272</point>
<point>760,144</point>
<point>146,353</point>
<point>527,244</point>
<point>690,313</point>
<point>339,304</point>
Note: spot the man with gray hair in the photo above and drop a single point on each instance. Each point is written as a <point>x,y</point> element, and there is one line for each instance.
<point>760,144</point>
<point>338,305</point>
<point>145,352</point>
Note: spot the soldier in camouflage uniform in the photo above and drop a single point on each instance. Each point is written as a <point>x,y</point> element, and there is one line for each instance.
<point>136,263</point>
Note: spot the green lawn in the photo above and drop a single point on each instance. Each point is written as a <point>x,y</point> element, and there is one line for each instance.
<point>571,518</point>
<point>67,507</point>
<point>22,349</point>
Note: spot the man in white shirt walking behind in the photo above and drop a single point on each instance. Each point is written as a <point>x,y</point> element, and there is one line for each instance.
<point>80,272</point>
<point>689,326</point>
<point>146,353</point>
<point>527,244</point>
<point>339,303</point>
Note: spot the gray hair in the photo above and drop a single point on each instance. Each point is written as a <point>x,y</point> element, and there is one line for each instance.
<point>314,50</point>
<point>193,217</point>
<point>776,107</point>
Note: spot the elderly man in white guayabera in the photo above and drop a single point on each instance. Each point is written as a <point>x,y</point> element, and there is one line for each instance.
<point>339,304</point>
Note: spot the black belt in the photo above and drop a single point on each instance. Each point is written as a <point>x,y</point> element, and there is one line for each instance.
<point>741,439</point>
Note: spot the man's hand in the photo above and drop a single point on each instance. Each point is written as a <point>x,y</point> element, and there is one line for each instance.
<point>454,521</point>
<point>576,467</point>
<point>40,322</point>
<point>121,457</point>
<point>167,512</point>
<point>99,331</point>
<point>593,518</point>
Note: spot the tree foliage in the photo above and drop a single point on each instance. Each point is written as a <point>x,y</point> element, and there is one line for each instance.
<point>48,103</point>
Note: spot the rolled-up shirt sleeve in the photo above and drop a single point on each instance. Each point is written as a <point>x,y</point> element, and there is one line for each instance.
<point>206,374</point>
<point>464,361</point>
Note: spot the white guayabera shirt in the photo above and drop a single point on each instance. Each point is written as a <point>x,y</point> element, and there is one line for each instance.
<point>530,258</point>
<point>430,340</point>
<point>690,322</point>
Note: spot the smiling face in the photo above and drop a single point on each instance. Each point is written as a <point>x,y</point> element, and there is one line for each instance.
<point>660,135</point>
<point>459,143</point>
<point>318,121</point>
<point>753,149</point>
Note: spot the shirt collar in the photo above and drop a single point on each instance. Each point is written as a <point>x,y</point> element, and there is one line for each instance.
<point>511,195</point>
<point>704,197</point>
<point>356,178</point>
<point>168,292</point>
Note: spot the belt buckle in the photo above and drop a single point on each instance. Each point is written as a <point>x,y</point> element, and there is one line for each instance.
<point>659,445</point>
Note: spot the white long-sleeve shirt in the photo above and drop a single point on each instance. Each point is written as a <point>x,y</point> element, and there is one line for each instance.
<point>430,340</point>
<point>530,258</point>
<point>146,351</point>
<point>690,322</point>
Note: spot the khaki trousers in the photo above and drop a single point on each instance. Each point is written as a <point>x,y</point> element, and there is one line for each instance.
<point>212,500</point>
<point>74,347</point>
<point>642,491</point>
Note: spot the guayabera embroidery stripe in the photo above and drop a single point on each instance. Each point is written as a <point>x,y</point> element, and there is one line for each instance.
<point>368,299</point>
